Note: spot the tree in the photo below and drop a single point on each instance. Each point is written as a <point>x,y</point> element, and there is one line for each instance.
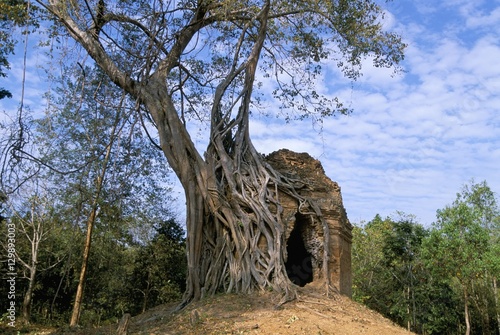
<point>459,247</point>
<point>390,276</point>
<point>371,280</point>
<point>159,273</point>
<point>198,60</point>
<point>385,264</point>
<point>96,151</point>
<point>402,256</point>
<point>36,226</point>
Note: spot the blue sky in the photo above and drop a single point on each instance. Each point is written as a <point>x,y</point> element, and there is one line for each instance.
<point>413,139</point>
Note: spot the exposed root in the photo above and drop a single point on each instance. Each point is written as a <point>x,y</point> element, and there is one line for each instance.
<point>236,232</point>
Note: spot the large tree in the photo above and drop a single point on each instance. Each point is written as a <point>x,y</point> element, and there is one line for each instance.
<point>198,60</point>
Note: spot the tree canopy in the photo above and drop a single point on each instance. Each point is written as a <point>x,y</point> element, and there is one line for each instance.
<point>197,47</point>
<point>461,245</point>
<point>436,280</point>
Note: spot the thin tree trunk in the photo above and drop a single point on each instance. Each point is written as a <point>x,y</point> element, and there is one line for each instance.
<point>145,293</point>
<point>481,303</point>
<point>32,267</point>
<point>75,316</point>
<point>54,298</point>
<point>28,296</point>
<point>414,307</point>
<point>497,308</point>
<point>76,220</point>
<point>408,309</point>
<point>144,303</point>
<point>466,312</point>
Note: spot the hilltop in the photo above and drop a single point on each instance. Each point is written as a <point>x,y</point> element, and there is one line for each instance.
<point>312,313</point>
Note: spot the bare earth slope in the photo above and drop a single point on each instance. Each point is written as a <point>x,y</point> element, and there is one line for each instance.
<point>312,313</point>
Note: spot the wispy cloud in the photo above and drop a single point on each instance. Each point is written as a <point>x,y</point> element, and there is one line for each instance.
<point>35,82</point>
<point>413,139</point>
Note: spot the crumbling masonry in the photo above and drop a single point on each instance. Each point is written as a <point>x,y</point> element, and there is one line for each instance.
<point>304,233</point>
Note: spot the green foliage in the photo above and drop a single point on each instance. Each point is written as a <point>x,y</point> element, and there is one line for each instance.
<point>160,267</point>
<point>368,262</point>
<point>346,31</point>
<point>417,277</point>
<point>463,250</point>
<point>119,273</point>
<point>300,37</point>
<point>390,276</point>
<point>134,228</point>
<point>89,117</point>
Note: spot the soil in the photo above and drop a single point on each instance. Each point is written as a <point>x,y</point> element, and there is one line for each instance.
<point>313,313</point>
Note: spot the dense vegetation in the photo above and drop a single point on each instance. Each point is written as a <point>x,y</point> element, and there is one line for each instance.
<point>91,191</point>
<point>123,276</point>
<point>437,280</point>
<point>412,274</point>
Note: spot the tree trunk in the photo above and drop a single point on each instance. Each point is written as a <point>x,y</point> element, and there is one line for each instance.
<point>408,312</point>
<point>236,236</point>
<point>75,316</point>
<point>145,293</point>
<point>466,311</point>
<point>29,294</point>
<point>481,303</point>
<point>54,298</point>
<point>32,265</point>
<point>497,308</point>
<point>235,231</point>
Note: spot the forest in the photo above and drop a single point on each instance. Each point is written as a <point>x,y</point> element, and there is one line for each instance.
<point>434,280</point>
<point>89,220</point>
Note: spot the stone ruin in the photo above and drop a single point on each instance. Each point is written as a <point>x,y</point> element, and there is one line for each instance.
<point>304,233</point>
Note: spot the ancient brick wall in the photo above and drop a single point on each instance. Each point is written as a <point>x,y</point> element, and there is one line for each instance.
<point>305,233</point>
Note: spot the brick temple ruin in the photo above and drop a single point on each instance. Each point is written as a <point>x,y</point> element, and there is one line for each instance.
<point>304,233</point>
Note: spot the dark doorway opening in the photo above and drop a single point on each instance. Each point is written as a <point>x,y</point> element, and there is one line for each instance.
<point>299,262</point>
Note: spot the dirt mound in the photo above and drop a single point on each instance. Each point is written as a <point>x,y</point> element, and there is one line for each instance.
<point>312,313</point>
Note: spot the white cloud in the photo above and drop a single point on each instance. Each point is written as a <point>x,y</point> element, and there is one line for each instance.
<point>414,140</point>
<point>480,19</point>
<point>35,82</point>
